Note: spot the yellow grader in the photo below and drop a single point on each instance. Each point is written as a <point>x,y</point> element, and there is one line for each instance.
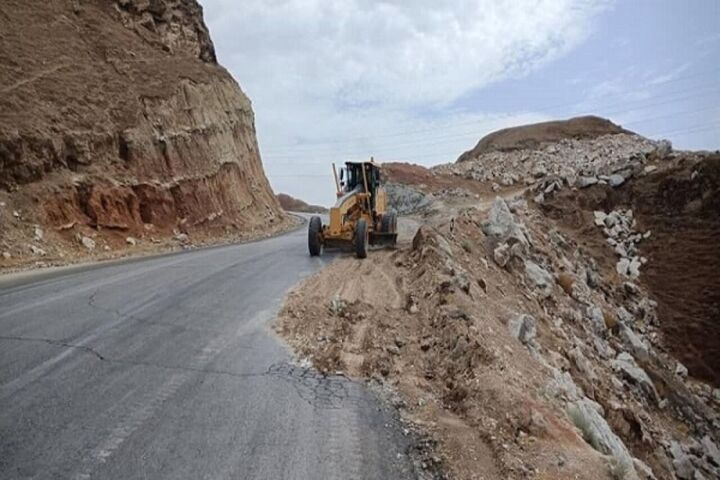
<point>360,216</point>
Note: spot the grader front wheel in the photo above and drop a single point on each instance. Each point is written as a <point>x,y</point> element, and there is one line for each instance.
<point>361,238</point>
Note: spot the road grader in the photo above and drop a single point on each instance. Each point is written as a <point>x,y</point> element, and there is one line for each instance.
<point>360,217</point>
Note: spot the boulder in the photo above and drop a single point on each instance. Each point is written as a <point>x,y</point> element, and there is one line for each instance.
<point>539,278</point>
<point>681,462</point>
<point>563,386</point>
<point>623,266</point>
<point>643,470</point>
<point>500,225</point>
<point>501,254</point>
<point>595,314</point>
<point>634,343</point>
<point>625,364</point>
<point>182,237</point>
<point>681,370</point>
<point>712,453</point>
<point>663,149</point>
<point>37,251</point>
<point>615,180</point>
<point>87,242</point>
<point>523,327</point>
<point>600,218</point>
<point>584,182</point>
<point>587,416</point>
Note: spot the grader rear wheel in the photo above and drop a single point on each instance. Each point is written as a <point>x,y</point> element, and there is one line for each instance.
<point>314,240</point>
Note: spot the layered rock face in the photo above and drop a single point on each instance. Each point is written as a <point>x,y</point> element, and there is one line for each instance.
<point>115,115</point>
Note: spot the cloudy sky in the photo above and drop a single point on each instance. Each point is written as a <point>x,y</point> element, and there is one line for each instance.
<point>422,80</point>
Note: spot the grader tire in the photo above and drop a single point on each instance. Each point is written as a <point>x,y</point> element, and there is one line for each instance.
<point>314,241</point>
<point>389,225</point>
<point>389,222</point>
<point>361,238</point>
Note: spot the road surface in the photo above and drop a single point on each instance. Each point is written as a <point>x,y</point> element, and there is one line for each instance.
<point>167,368</point>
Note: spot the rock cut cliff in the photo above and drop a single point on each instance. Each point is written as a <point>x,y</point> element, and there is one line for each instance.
<point>117,120</point>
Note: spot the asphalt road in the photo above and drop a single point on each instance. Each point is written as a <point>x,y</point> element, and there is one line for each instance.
<point>167,368</point>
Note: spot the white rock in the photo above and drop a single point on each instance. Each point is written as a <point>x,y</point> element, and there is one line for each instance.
<point>681,370</point>
<point>625,364</point>
<point>634,343</point>
<point>131,241</point>
<point>16,214</point>
<point>622,266</point>
<point>711,450</point>
<point>37,251</point>
<point>582,364</point>
<point>616,180</point>
<point>6,255</point>
<point>523,327</point>
<point>598,319</point>
<point>539,277</point>
<point>87,242</point>
<point>681,462</point>
<point>182,237</point>
<point>38,233</point>
<point>603,438</point>
<point>501,254</point>
<point>600,218</point>
<point>634,268</point>
<point>563,386</point>
<point>584,182</point>
<point>643,470</point>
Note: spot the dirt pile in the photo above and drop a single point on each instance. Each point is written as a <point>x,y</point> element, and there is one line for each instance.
<point>528,137</point>
<point>117,123</point>
<point>511,334</point>
<point>292,204</point>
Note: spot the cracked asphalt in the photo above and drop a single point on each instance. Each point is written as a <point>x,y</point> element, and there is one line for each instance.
<point>166,367</point>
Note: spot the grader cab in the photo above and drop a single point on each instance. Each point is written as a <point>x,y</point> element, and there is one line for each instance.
<point>360,217</point>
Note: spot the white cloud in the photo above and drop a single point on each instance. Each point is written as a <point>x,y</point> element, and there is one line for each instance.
<point>351,71</point>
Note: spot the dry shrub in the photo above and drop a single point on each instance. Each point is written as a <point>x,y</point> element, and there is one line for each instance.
<point>610,318</point>
<point>566,282</point>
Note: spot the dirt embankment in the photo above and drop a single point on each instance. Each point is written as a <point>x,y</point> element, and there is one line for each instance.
<point>538,336</point>
<point>528,137</point>
<point>120,129</point>
<point>292,204</point>
<point>680,208</point>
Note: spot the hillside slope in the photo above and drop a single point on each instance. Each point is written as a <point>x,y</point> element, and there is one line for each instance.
<point>555,316</point>
<point>117,121</point>
<point>292,204</point>
<point>538,134</point>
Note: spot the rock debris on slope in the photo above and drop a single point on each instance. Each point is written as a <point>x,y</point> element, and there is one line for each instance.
<point>525,329</point>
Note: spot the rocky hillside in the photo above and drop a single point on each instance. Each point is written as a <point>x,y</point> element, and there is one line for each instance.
<point>118,127</point>
<point>292,204</point>
<point>562,325</point>
<point>533,136</point>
